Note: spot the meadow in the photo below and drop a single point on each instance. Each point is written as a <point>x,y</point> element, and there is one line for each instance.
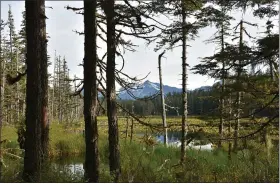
<point>143,162</point>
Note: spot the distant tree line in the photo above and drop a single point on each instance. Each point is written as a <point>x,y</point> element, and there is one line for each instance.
<point>200,102</point>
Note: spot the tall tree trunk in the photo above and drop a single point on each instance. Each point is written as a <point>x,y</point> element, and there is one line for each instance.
<point>59,91</point>
<point>17,92</point>
<point>54,85</point>
<point>222,97</point>
<point>229,128</point>
<point>10,108</point>
<point>2,63</point>
<point>268,144</point>
<point>131,130</point>
<point>163,111</point>
<point>126,128</point>
<point>114,156</point>
<point>184,82</point>
<point>238,97</point>
<point>44,87</point>
<point>271,69</point>
<point>36,43</point>
<point>90,93</point>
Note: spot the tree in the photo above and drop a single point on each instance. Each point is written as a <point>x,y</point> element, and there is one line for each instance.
<point>44,86</point>
<point>12,67</point>
<point>2,64</point>
<point>36,111</point>
<point>184,80</point>
<point>114,155</point>
<point>90,93</point>
<point>163,113</point>
<point>180,32</point>
<point>215,66</point>
<point>267,50</point>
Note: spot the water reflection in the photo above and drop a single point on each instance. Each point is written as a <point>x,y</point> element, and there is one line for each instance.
<point>74,167</point>
<point>172,137</point>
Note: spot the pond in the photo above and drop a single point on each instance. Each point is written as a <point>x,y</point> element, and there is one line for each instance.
<point>172,137</point>
<point>74,166</point>
<point>174,140</point>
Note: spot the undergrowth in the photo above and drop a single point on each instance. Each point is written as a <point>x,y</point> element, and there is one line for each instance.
<point>143,163</point>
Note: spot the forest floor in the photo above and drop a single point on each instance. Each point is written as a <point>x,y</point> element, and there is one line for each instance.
<point>143,162</point>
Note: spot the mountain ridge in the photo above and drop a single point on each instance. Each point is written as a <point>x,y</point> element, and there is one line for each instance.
<point>149,88</point>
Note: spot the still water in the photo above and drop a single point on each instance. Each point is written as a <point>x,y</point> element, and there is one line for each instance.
<point>75,166</point>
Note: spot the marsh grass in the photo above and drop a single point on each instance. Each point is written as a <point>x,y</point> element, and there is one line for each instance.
<point>144,163</point>
<point>66,141</point>
<point>160,164</point>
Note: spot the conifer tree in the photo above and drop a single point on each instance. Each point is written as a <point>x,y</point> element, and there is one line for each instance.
<point>36,135</point>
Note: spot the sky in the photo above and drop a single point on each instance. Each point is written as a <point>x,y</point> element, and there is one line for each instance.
<point>62,22</point>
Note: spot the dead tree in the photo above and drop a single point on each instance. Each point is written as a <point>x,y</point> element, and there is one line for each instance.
<point>163,111</point>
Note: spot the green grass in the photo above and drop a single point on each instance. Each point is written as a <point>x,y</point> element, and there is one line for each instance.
<point>66,141</point>
<point>143,163</point>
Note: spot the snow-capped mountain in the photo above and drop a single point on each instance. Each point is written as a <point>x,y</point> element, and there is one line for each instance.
<point>204,88</point>
<point>148,88</point>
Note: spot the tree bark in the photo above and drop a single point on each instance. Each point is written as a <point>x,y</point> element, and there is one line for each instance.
<point>59,91</point>
<point>222,98</point>
<point>126,128</point>
<point>10,108</point>
<point>238,97</point>
<point>114,156</point>
<point>90,93</point>
<point>268,144</point>
<point>44,88</point>
<point>2,63</point>
<point>54,85</point>
<point>131,131</point>
<point>184,82</point>
<point>229,128</point>
<point>271,69</point>
<point>17,92</point>
<point>36,46</point>
<point>163,111</point>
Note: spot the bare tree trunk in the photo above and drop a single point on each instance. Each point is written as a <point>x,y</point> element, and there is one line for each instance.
<point>3,89</point>
<point>268,144</point>
<point>10,108</point>
<point>238,97</point>
<point>54,85</point>
<point>222,98</point>
<point>131,130</point>
<point>76,101</point>
<point>271,69</point>
<point>184,83</point>
<point>229,128</point>
<point>17,92</point>
<point>114,156</point>
<point>163,111</point>
<point>59,92</point>
<point>2,63</point>
<point>90,93</point>
<point>126,129</point>
<point>36,46</point>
